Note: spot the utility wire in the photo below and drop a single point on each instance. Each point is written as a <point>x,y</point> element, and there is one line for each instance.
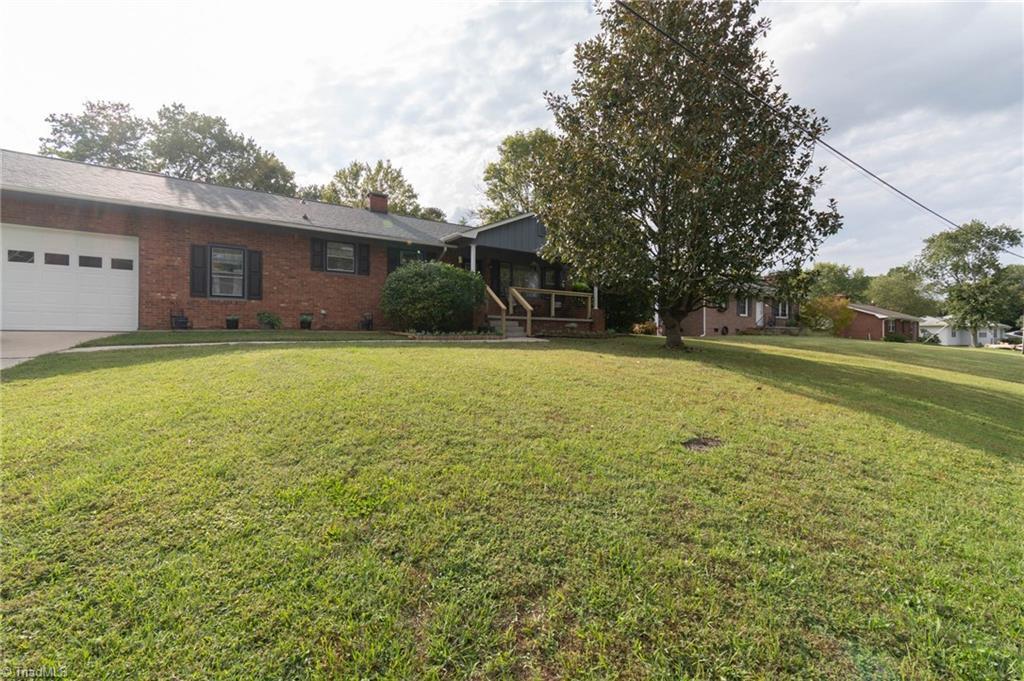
<point>695,55</point>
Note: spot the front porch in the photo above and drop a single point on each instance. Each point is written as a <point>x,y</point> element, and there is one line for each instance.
<point>525,292</point>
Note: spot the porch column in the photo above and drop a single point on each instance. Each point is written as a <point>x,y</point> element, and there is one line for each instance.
<point>595,297</point>
<point>472,257</point>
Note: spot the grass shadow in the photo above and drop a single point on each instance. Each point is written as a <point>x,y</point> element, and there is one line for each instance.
<point>978,417</point>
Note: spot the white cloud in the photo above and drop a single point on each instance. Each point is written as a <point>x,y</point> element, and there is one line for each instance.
<point>928,95</point>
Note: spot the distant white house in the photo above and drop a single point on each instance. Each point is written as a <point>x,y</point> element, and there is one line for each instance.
<point>948,335</point>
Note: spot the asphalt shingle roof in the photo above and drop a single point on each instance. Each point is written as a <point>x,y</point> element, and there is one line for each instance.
<point>882,313</point>
<point>71,179</point>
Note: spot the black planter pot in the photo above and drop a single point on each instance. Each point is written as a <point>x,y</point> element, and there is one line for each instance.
<point>231,323</point>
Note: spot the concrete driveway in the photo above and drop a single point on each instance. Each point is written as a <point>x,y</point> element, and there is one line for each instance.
<point>19,346</point>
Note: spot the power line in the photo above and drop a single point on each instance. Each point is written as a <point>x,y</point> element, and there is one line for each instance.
<point>695,55</point>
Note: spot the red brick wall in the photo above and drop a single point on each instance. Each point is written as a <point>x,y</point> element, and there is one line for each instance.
<point>865,326</point>
<point>290,287</point>
<point>694,323</point>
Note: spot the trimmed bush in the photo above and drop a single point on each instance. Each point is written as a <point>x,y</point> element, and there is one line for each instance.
<point>894,338</point>
<point>431,296</point>
<point>269,320</point>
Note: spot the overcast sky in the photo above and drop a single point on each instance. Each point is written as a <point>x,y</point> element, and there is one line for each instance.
<point>929,95</point>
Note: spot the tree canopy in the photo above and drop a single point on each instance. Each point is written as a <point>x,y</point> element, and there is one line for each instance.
<point>178,142</point>
<point>827,279</point>
<point>666,173</point>
<point>351,185</point>
<point>902,289</point>
<point>510,182</point>
<point>105,133</point>
<point>963,265</point>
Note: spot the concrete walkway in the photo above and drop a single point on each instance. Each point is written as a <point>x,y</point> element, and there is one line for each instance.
<point>401,341</point>
<point>19,346</point>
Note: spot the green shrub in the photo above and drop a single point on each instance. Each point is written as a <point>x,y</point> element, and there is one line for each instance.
<point>828,313</point>
<point>623,309</point>
<point>894,338</point>
<point>269,319</point>
<point>431,296</point>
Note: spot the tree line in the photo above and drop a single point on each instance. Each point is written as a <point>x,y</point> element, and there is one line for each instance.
<point>195,146</point>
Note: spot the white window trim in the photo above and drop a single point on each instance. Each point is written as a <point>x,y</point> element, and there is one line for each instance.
<point>213,274</point>
<point>746,307</point>
<point>780,304</point>
<point>327,257</point>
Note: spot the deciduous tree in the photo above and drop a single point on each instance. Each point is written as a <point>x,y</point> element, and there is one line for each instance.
<point>510,182</point>
<point>666,174</point>
<point>963,265</point>
<point>902,289</point>
<point>351,184</point>
<point>105,133</point>
<point>178,142</point>
<point>833,279</point>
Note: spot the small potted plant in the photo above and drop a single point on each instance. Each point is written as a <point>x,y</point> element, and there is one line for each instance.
<point>268,320</point>
<point>306,320</point>
<point>231,321</point>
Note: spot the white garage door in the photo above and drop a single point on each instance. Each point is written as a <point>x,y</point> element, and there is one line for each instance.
<point>58,279</point>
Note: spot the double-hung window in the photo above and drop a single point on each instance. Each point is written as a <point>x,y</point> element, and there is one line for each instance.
<point>781,309</point>
<point>227,272</point>
<point>341,257</point>
<point>743,307</point>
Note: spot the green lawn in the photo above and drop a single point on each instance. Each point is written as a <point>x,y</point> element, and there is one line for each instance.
<point>520,511</point>
<point>225,336</point>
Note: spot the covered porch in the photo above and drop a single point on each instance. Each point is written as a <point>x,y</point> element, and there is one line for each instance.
<point>526,294</point>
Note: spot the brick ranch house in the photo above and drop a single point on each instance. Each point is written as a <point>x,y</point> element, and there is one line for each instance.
<point>874,323</point>
<point>87,247</point>
<point>743,313</point>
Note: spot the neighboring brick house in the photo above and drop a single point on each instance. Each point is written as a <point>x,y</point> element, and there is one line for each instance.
<point>741,313</point>
<point>86,247</point>
<point>874,323</point>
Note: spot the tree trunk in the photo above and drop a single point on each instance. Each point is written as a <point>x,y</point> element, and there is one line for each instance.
<point>974,336</point>
<point>673,334</point>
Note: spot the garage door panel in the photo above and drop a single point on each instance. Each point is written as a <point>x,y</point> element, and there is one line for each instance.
<point>38,296</point>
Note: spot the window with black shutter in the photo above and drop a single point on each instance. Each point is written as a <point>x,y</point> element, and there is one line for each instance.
<point>363,266</point>
<point>317,254</point>
<point>198,272</point>
<point>254,275</point>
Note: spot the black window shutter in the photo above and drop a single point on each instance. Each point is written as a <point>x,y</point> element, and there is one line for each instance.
<point>392,259</point>
<point>198,272</point>
<point>317,254</point>
<point>363,259</point>
<point>254,275</point>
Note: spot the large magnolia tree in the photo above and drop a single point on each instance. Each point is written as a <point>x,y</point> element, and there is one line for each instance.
<point>666,174</point>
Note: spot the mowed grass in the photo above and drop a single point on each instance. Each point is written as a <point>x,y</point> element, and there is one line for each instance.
<point>232,336</point>
<point>516,511</point>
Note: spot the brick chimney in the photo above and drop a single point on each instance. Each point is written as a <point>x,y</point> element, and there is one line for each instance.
<point>378,202</point>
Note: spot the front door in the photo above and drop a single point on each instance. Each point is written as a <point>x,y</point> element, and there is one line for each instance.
<point>759,312</point>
